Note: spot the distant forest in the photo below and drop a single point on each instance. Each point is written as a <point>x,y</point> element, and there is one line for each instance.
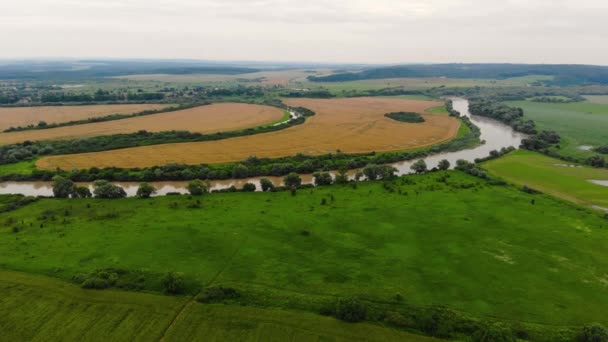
<point>566,74</point>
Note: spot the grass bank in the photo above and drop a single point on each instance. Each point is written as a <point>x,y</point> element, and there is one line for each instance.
<point>490,251</point>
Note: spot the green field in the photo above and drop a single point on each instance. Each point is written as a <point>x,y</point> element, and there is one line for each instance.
<point>551,176</point>
<point>578,123</point>
<point>439,239</point>
<point>37,308</point>
<point>20,168</point>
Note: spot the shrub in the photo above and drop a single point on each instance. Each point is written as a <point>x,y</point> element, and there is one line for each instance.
<point>266,184</point>
<point>81,192</point>
<point>397,319</point>
<point>419,166</point>
<point>292,180</point>
<point>350,310</point>
<point>95,283</point>
<point>105,189</point>
<point>249,187</point>
<point>596,161</point>
<point>172,283</point>
<point>197,187</point>
<point>217,294</point>
<point>444,164</point>
<point>62,187</point>
<point>494,333</point>
<point>322,178</point>
<point>593,333</point>
<point>145,190</point>
<point>440,322</point>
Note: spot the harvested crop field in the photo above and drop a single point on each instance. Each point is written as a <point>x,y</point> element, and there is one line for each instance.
<point>24,116</point>
<point>205,119</point>
<point>353,125</point>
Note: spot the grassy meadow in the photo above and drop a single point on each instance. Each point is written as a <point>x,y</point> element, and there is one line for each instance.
<point>38,308</point>
<point>490,251</point>
<point>552,176</point>
<point>579,123</point>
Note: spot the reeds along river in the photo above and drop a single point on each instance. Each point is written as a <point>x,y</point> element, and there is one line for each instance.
<point>495,134</point>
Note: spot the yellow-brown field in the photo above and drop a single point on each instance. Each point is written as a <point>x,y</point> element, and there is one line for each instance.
<point>205,119</point>
<point>24,116</point>
<point>353,125</point>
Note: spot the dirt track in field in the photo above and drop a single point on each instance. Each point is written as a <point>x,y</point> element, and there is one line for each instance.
<point>23,116</point>
<point>351,125</point>
<point>213,118</point>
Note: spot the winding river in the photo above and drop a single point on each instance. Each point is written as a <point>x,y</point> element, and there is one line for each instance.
<point>496,135</point>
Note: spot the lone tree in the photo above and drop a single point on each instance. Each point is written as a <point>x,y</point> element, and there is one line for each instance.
<point>197,187</point>
<point>292,180</point>
<point>104,189</point>
<point>145,190</point>
<point>419,166</point>
<point>62,187</point>
<point>322,178</point>
<point>444,164</point>
<point>266,184</point>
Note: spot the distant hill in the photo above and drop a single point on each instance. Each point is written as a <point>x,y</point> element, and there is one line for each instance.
<point>566,74</point>
<point>81,69</point>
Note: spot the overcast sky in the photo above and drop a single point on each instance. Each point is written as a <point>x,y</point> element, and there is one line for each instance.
<point>361,31</point>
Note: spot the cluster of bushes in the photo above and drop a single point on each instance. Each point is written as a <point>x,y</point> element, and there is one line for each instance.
<point>496,154</point>
<point>65,188</point>
<point>410,117</point>
<point>216,294</point>
<point>601,149</point>
<point>14,202</point>
<point>541,141</point>
<point>503,113</point>
<point>471,168</point>
<point>111,117</point>
<point>111,277</point>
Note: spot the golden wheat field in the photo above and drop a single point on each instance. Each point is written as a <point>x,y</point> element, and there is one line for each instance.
<point>205,119</point>
<point>24,116</point>
<point>352,125</point>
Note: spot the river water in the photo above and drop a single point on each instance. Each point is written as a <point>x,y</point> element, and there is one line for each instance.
<point>495,134</point>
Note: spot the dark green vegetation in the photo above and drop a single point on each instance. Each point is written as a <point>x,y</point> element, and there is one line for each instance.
<point>405,117</point>
<point>564,74</point>
<point>381,245</point>
<point>552,176</point>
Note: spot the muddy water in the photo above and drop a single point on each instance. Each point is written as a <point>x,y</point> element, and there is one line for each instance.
<point>495,134</point>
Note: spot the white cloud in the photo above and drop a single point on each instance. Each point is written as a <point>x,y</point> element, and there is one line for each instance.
<point>559,31</point>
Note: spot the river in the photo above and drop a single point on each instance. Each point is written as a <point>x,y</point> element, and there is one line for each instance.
<point>495,134</point>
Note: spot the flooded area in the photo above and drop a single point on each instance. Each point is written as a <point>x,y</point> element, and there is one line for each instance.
<point>600,182</point>
<point>495,134</point>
